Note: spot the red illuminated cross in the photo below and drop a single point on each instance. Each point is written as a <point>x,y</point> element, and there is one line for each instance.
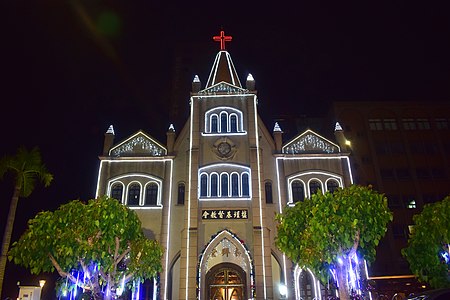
<point>222,38</point>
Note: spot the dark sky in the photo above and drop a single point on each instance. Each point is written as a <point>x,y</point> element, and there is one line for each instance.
<point>71,68</point>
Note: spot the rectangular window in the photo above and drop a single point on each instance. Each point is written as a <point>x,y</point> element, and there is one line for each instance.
<point>375,124</point>
<point>398,231</point>
<point>409,124</point>
<point>438,173</point>
<point>390,124</point>
<point>441,123</point>
<point>423,124</point>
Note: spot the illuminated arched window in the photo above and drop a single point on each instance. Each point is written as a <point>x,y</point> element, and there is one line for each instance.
<point>234,185</point>
<point>268,190</point>
<point>134,192</point>
<point>245,185</point>
<point>117,191</point>
<point>233,123</point>
<point>214,122</point>
<point>223,122</point>
<point>224,185</point>
<point>332,185</point>
<point>298,191</point>
<point>181,191</point>
<point>314,186</point>
<point>203,185</point>
<point>151,194</point>
<point>214,185</point>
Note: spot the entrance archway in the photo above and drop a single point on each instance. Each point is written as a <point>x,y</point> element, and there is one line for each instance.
<point>226,281</point>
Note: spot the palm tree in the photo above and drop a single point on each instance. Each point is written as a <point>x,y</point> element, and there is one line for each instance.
<point>26,167</point>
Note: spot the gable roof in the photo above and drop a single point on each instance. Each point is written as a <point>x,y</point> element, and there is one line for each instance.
<point>309,142</point>
<point>138,144</point>
<point>222,88</point>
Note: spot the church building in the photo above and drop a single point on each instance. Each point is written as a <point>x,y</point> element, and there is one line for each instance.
<point>210,192</point>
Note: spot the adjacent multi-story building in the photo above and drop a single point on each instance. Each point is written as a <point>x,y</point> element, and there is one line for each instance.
<point>399,147</point>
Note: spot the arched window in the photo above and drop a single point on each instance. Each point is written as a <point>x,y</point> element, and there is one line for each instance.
<point>298,191</point>
<point>181,191</point>
<point>332,185</point>
<point>203,185</point>
<point>233,123</point>
<point>214,185</point>
<point>223,122</point>
<point>314,186</point>
<point>151,194</point>
<point>234,185</point>
<point>245,186</point>
<point>268,190</point>
<point>214,122</point>
<point>224,185</point>
<point>134,192</point>
<point>117,191</point>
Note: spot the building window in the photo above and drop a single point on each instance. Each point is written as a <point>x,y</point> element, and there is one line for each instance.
<point>214,122</point>
<point>151,194</point>
<point>438,173</point>
<point>375,124</point>
<point>314,187</point>
<point>181,193</point>
<point>390,124</point>
<point>214,185</point>
<point>422,173</point>
<point>423,124</point>
<point>234,185</point>
<point>245,185</point>
<point>409,124</point>
<point>224,185</point>
<point>298,191</point>
<point>117,191</point>
<point>203,185</point>
<point>223,122</point>
<point>394,201</point>
<point>233,123</point>
<point>220,120</point>
<point>398,231</point>
<point>332,185</point>
<point>268,190</point>
<point>441,123</point>
<point>134,192</point>
<point>232,182</point>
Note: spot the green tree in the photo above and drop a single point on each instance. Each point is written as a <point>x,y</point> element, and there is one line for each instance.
<point>428,247</point>
<point>26,167</point>
<point>102,238</point>
<point>330,228</point>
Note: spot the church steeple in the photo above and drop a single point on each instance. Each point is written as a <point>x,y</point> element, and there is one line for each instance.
<point>223,67</point>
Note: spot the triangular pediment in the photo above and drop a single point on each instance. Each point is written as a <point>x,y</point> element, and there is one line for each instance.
<point>223,88</point>
<point>310,142</point>
<point>139,144</point>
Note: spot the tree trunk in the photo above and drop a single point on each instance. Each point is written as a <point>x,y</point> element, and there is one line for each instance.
<point>8,233</point>
<point>341,273</point>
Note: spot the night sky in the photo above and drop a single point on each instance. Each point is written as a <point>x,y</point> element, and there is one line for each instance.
<point>72,68</point>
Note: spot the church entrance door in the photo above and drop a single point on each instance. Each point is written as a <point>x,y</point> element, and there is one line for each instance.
<point>226,281</point>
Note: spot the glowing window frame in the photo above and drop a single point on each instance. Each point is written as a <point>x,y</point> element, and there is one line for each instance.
<point>123,189</point>
<point>158,194</point>
<point>309,185</point>
<point>299,176</point>
<point>217,112</point>
<point>291,200</point>
<point>224,169</point>
<point>133,182</point>
<point>136,178</point>
<point>329,180</point>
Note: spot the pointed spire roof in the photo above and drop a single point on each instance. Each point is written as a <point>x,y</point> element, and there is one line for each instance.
<point>223,68</point>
